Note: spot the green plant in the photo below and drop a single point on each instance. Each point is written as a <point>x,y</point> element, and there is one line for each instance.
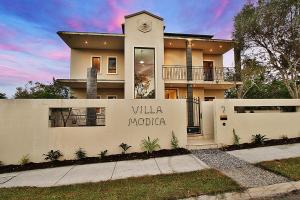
<point>284,137</point>
<point>80,154</point>
<point>174,141</point>
<point>124,147</point>
<point>53,155</point>
<point>150,145</point>
<point>1,163</point>
<point>103,154</point>
<point>259,139</point>
<point>24,159</point>
<point>236,138</point>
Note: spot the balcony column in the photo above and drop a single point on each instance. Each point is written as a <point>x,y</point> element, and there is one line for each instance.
<point>91,93</point>
<point>189,70</point>
<point>237,62</point>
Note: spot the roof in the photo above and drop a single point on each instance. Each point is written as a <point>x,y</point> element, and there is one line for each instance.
<point>88,33</point>
<point>143,12</point>
<point>185,35</point>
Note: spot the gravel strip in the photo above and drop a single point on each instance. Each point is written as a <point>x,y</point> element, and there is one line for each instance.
<point>244,173</point>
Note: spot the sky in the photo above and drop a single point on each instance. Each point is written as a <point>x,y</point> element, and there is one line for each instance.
<point>30,49</point>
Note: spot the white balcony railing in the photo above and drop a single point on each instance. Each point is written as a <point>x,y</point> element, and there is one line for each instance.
<point>179,72</point>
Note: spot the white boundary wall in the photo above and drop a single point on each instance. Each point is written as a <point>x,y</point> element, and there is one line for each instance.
<point>273,125</point>
<point>24,127</point>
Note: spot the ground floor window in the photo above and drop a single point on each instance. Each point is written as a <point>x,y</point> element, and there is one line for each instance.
<point>111,97</point>
<point>171,93</point>
<point>209,98</point>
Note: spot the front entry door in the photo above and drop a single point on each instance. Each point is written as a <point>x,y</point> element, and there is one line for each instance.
<point>208,67</point>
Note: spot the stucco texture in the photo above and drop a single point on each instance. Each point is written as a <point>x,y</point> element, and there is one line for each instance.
<point>24,127</point>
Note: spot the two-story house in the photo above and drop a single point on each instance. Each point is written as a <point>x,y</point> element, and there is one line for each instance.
<point>146,62</point>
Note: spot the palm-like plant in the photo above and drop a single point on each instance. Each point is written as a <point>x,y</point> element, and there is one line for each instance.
<point>259,139</point>
<point>124,147</point>
<point>150,145</point>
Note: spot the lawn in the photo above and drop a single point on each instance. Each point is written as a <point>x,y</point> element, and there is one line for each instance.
<point>287,167</point>
<point>170,186</point>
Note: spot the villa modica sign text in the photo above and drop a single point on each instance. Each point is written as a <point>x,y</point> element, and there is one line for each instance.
<point>151,116</point>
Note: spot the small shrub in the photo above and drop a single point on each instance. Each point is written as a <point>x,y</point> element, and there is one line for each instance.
<point>150,145</point>
<point>103,154</point>
<point>24,159</point>
<point>284,137</point>
<point>174,141</point>
<point>1,163</point>
<point>124,147</point>
<point>80,154</point>
<point>236,138</point>
<point>53,155</point>
<point>259,139</point>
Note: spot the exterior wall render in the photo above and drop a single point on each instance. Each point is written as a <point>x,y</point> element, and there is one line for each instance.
<point>178,57</point>
<point>29,130</point>
<point>81,59</point>
<point>136,38</point>
<point>102,93</point>
<point>273,125</point>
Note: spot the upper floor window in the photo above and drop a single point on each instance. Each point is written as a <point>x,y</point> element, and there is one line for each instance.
<point>144,73</point>
<point>96,63</point>
<point>112,65</point>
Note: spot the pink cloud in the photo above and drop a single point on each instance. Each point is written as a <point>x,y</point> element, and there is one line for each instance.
<point>20,75</point>
<point>11,47</point>
<point>58,55</point>
<point>117,15</point>
<point>7,32</point>
<point>220,9</point>
<point>74,24</point>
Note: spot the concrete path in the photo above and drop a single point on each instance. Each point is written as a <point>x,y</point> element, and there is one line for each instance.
<point>242,172</point>
<point>260,154</point>
<point>101,171</point>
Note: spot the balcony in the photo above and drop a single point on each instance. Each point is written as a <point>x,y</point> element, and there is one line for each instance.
<point>199,73</point>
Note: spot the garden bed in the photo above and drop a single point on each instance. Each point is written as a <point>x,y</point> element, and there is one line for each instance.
<point>89,160</point>
<point>271,142</point>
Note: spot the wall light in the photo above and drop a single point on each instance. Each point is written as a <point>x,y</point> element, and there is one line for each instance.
<point>85,42</point>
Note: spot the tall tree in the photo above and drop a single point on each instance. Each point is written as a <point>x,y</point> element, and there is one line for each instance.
<point>257,83</point>
<point>39,90</point>
<point>270,33</point>
<point>3,95</point>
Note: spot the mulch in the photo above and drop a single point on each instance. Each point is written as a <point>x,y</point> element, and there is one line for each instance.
<point>89,160</point>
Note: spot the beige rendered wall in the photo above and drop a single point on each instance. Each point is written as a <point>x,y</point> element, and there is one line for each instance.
<point>200,92</point>
<point>102,93</point>
<point>217,59</point>
<point>273,125</point>
<point>152,39</point>
<point>218,94</point>
<point>207,119</point>
<point>81,59</point>
<point>178,57</point>
<point>24,127</point>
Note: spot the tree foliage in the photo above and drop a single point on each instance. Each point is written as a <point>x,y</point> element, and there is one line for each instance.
<point>39,90</point>
<point>258,83</point>
<point>3,95</point>
<point>269,32</point>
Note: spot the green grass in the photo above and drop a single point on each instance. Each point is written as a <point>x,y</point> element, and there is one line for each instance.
<point>287,167</point>
<point>170,186</point>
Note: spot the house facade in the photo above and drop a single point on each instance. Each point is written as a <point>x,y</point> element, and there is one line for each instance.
<point>144,62</point>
